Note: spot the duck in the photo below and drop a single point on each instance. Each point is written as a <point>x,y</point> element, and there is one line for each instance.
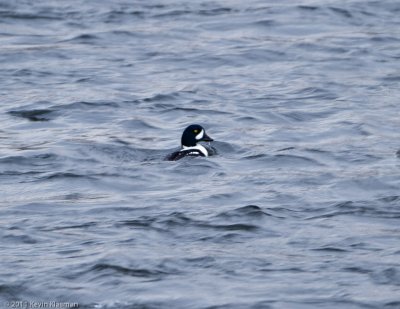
<point>190,146</point>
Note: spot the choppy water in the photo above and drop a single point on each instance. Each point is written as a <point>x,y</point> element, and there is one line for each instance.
<point>300,209</point>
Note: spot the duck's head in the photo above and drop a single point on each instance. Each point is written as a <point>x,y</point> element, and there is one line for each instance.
<point>194,134</point>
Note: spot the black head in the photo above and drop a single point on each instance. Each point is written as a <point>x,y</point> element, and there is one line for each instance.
<point>194,134</point>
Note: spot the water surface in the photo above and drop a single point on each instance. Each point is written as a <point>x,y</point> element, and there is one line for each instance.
<point>301,207</point>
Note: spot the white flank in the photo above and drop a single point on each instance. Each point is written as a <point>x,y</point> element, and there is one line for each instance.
<point>199,147</point>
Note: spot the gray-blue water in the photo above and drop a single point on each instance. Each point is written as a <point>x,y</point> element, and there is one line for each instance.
<point>300,209</point>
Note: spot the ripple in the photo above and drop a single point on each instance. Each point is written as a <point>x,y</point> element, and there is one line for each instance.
<point>232,227</point>
<point>331,249</point>
<point>306,116</point>
<point>390,199</point>
<point>380,208</point>
<point>264,23</point>
<point>249,211</point>
<point>86,105</point>
<point>313,93</point>
<point>201,12</point>
<point>66,175</point>
<point>116,15</point>
<point>138,124</point>
<point>216,11</point>
<point>54,111</point>
<point>27,16</point>
<point>12,291</point>
<point>85,225</point>
<point>85,38</point>
<point>285,159</point>
<point>21,239</point>
<point>168,108</point>
<point>177,221</point>
<point>126,271</point>
<point>144,222</point>
<point>388,276</point>
<point>196,166</point>
<point>358,270</point>
<point>308,7</point>
<point>32,160</point>
<point>161,97</point>
<point>342,12</point>
<point>35,114</point>
<point>33,73</point>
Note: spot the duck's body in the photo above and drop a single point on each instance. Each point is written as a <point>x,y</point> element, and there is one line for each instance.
<point>189,144</point>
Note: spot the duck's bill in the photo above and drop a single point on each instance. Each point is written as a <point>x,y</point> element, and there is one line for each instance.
<point>206,138</point>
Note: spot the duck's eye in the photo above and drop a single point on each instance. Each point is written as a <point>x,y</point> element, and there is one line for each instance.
<point>196,131</point>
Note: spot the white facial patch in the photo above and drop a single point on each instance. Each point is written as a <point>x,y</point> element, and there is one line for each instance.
<point>200,135</point>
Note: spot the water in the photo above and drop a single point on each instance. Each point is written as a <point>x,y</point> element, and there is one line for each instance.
<point>301,207</point>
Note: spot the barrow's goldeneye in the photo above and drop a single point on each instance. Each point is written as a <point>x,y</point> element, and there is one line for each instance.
<point>190,147</point>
